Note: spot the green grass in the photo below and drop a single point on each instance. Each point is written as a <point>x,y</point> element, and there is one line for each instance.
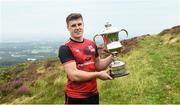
<point>49,89</point>
<point>154,75</point>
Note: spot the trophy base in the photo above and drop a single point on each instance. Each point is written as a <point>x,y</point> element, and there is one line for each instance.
<point>118,69</point>
<point>120,74</point>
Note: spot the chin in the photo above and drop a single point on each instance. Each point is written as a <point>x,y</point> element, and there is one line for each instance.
<point>78,36</point>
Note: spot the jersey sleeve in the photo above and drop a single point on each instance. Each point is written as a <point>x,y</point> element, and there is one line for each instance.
<point>65,54</point>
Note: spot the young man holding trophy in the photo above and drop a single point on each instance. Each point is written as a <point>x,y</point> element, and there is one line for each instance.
<point>82,64</point>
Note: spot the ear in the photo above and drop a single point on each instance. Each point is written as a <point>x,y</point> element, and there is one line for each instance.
<point>67,27</point>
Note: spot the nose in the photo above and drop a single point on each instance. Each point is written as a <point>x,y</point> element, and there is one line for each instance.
<point>77,26</point>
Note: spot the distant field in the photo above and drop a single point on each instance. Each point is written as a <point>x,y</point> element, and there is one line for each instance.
<point>14,53</point>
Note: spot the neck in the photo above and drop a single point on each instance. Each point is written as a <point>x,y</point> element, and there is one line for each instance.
<point>77,39</point>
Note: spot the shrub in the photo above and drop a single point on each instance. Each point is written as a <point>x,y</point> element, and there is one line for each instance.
<point>5,90</point>
<point>17,83</point>
<point>23,90</point>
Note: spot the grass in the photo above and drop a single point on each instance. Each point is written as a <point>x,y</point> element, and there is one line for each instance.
<point>48,89</point>
<point>154,75</point>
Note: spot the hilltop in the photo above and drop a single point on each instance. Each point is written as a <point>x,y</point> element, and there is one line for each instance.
<point>153,62</point>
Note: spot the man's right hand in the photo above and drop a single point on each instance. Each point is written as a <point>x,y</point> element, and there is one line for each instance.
<point>104,75</point>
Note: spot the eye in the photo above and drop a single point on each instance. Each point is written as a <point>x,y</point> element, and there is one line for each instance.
<point>79,24</point>
<point>73,25</point>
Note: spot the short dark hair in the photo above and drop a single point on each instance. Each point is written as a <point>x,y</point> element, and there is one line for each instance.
<point>73,16</point>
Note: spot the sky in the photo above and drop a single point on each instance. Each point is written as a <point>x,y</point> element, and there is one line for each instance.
<point>38,20</point>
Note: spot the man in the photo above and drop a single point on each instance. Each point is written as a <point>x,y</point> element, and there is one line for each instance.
<point>82,64</point>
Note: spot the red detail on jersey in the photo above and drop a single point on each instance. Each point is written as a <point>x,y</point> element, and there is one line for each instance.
<point>82,51</point>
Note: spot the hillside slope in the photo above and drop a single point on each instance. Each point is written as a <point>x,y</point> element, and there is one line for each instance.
<point>153,62</point>
<point>154,67</point>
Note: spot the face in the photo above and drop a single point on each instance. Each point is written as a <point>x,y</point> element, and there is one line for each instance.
<point>76,28</point>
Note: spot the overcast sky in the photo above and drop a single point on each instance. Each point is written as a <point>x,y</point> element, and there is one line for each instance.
<point>29,20</point>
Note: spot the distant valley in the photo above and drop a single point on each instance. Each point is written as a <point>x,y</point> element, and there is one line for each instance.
<point>17,52</point>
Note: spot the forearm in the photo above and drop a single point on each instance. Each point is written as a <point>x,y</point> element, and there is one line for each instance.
<point>79,75</point>
<point>103,63</point>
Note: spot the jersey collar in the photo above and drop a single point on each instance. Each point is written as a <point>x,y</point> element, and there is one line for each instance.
<point>77,41</point>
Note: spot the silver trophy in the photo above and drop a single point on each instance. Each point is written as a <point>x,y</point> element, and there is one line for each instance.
<point>112,44</point>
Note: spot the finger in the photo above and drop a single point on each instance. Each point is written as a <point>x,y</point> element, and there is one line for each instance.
<point>108,69</point>
<point>109,77</point>
<point>106,51</point>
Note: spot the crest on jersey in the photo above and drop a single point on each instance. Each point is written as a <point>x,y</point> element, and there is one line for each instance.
<point>91,48</point>
<point>77,50</point>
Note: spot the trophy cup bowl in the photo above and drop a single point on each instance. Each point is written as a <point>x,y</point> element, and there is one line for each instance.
<point>113,45</point>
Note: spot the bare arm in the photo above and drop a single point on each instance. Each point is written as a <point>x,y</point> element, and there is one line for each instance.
<point>78,75</point>
<point>102,64</point>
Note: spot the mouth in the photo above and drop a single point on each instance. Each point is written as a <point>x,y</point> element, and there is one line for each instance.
<point>77,31</point>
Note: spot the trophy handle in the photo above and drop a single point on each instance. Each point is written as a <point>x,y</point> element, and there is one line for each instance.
<point>125,31</point>
<point>94,38</point>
